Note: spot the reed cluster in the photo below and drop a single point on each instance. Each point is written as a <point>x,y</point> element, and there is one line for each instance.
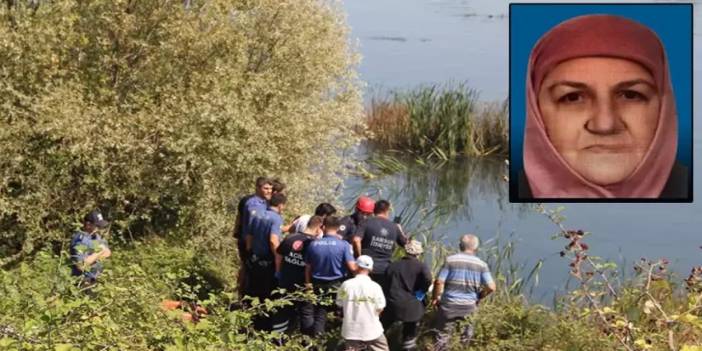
<point>444,121</point>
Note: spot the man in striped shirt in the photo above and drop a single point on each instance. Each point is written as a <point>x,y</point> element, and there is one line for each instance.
<point>462,282</point>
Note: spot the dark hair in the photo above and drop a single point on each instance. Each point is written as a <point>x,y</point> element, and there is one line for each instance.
<point>278,186</point>
<point>324,209</point>
<point>381,206</point>
<point>261,181</point>
<point>315,222</point>
<point>331,222</point>
<point>278,199</point>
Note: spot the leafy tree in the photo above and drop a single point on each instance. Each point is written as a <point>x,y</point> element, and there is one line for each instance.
<point>160,112</point>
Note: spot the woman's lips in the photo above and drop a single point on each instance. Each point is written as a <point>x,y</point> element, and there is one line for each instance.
<point>608,148</point>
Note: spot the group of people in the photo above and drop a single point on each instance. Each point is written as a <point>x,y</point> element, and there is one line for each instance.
<point>349,259</point>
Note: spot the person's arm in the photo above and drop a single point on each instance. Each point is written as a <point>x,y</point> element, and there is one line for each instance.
<point>105,252</point>
<point>249,242</point>
<point>350,260</point>
<point>290,228</point>
<point>379,300</point>
<point>439,285</point>
<point>487,283</point>
<point>237,226</point>
<point>401,237</point>
<point>278,262</point>
<point>308,275</point>
<point>274,242</point>
<point>425,278</point>
<point>352,266</point>
<point>81,259</point>
<point>438,291</point>
<point>104,249</point>
<point>356,242</point>
<point>239,221</point>
<point>89,260</point>
<point>341,296</point>
<point>402,234</point>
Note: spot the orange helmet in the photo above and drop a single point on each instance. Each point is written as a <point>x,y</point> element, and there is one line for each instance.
<point>365,204</point>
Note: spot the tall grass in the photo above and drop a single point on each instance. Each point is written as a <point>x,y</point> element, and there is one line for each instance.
<point>442,121</point>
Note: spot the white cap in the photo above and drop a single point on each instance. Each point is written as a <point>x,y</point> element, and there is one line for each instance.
<point>365,262</point>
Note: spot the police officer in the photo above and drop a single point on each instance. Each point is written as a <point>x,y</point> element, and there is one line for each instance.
<point>261,244</point>
<point>328,262</point>
<point>291,276</point>
<point>88,249</point>
<point>249,204</point>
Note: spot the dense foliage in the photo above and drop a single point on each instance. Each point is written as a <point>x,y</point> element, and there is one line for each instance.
<point>44,309</point>
<point>161,112</point>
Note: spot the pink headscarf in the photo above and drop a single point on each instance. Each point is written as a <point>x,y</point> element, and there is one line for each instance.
<point>548,173</point>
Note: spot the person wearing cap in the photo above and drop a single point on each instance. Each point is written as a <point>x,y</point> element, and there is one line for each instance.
<point>409,280</point>
<point>350,224</point>
<point>88,249</point>
<point>291,276</point>
<point>463,281</point>
<point>362,300</point>
<point>327,263</point>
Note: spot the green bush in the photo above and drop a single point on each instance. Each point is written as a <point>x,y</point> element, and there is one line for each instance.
<point>159,113</point>
<point>44,309</point>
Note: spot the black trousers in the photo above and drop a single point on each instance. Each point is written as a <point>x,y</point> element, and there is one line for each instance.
<point>410,331</point>
<point>324,290</point>
<point>382,280</point>
<point>299,314</point>
<point>260,283</point>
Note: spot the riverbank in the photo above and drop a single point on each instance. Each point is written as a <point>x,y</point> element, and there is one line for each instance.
<point>44,310</point>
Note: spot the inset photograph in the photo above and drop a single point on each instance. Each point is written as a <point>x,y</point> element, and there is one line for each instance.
<point>600,102</point>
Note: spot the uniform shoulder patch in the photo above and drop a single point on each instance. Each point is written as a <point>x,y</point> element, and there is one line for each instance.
<point>297,245</point>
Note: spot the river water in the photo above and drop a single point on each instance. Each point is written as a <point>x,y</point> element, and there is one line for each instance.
<point>409,42</point>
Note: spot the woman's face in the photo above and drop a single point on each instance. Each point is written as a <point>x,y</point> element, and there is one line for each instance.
<point>600,114</point>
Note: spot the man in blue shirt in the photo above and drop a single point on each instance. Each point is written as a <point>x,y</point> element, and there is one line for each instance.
<point>328,262</point>
<point>264,235</point>
<point>253,203</point>
<point>462,282</point>
<point>88,249</point>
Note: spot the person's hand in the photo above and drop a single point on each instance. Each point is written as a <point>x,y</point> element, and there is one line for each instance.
<point>105,251</point>
<point>308,286</point>
<point>435,301</point>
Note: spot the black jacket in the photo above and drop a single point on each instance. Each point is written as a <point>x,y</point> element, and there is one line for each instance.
<point>406,276</point>
<point>676,188</point>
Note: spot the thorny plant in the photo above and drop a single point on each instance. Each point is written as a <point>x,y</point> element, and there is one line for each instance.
<point>640,317</point>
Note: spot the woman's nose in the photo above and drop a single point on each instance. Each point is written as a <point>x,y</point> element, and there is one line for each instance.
<point>604,118</point>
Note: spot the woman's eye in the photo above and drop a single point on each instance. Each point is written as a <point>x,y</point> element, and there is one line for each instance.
<point>571,98</point>
<point>633,95</point>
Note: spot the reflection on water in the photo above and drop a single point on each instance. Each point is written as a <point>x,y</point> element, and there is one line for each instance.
<point>425,192</point>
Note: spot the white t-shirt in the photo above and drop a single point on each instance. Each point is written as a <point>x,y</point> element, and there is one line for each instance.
<point>361,299</point>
